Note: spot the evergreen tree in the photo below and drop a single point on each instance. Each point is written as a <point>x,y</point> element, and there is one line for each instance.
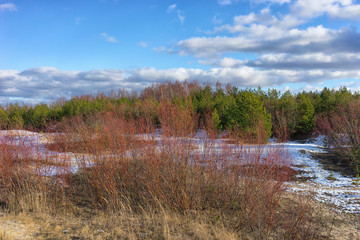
<point>216,119</point>
<point>4,120</point>
<point>250,116</point>
<point>40,116</point>
<point>16,121</point>
<point>306,115</point>
<point>224,105</point>
<point>288,108</point>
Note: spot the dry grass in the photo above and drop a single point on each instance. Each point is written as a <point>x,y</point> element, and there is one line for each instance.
<point>159,188</point>
<point>320,223</point>
<point>126,225</point>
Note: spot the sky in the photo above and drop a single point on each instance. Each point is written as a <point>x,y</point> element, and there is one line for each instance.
<point>64,48</point>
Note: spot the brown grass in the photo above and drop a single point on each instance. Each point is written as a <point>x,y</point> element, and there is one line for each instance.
<point>319,222</point>
<point>154,188</point>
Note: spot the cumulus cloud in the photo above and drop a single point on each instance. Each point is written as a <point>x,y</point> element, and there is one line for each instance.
<point>353,86</point>
<point>230,62</point>
<point>47,84</point>
<point>265,33</point>
<point>350,85</point>
<point>109,38</point>
<point>312,39</point>
<point>284,49</point>
<point>346,9</point>
<point>8,7</point>
<point>340,61</point>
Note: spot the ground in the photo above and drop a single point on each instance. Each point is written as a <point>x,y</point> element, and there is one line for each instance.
<point>337,225</point>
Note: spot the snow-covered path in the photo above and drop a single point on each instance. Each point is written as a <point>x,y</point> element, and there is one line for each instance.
<point>327,186</point>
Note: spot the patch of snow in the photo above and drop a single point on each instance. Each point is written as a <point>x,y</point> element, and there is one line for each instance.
<point>341,192</point>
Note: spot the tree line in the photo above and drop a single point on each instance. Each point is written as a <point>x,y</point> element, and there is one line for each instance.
<point>283,115</point>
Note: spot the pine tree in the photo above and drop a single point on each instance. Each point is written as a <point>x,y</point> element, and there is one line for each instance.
<point>4,120</point>
<point>216,119</point>
<point>306,115</point>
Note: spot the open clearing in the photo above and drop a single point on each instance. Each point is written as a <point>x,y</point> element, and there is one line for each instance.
<point>336,197</point>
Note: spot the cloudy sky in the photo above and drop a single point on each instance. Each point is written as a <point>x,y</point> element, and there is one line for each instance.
<point>64,48</point>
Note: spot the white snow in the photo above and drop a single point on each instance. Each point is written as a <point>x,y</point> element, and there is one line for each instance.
<point>341,192</point>
<point>34,146</point>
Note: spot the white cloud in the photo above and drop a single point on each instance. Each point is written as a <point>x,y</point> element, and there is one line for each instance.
<point>271,1</point>
<point>284,48</point>
<point>252,23</point>
<point>215,20</point>
<point>48,83</point>
<point>171,8</point>
<point>109,38</point>
<point>310,87</point>
<point>262,39</point>
<point>230,62</point>
<point>338,61</point>
<point>265,33</point>
<point>227,2</point>
<point>280,1</point>
<point>284,51</point>
<point>181,16</point>
<point>10,90</point>
<point>160,49</point>
<point>8,7</point>
<point>143,44</point>
<point>346,9</point>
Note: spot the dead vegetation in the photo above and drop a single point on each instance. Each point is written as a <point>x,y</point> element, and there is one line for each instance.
<point>152,188</point>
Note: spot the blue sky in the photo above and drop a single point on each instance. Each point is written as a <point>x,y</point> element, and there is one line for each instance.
<point>64,48</point>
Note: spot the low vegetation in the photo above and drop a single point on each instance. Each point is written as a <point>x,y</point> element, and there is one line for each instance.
<point>137,186</point>
<point>141,176</point>
<point>342,133</point>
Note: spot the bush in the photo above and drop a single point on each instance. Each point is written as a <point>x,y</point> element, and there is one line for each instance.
<point>243,185</point>
<point>342,131</point>
<point>125,164</point>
